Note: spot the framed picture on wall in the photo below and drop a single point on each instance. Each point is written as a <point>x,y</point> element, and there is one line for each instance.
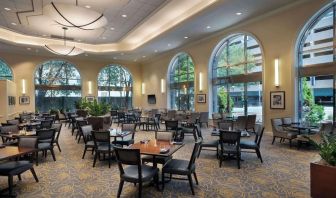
<point>90,98</point>
<point>201,98</point>
<point>277,100</point>
<point>24,100</point>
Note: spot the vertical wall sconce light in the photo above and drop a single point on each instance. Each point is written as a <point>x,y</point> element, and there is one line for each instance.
<point>163,86</point>
<point>24,86</point>
<point>90,87</point>
<point>200,81</point>
<point>143,87</point>
<point>276,72</point>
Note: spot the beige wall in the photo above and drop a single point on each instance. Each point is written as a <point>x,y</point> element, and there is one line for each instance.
<point>277,33</point>
<point>7,88</point>
<point>24,67</point>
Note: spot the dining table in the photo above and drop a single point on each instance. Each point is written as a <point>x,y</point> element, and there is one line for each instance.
<point>299,126</point>
<point>115,133</point>
<point>7,152</point>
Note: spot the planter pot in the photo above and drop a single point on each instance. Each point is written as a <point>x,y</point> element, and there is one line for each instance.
<point>322,180</point>
<point>100,122</point>
<point>82,113</point>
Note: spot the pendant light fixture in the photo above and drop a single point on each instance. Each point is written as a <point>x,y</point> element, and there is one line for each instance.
<point>75,16</point>
<point>64,50</point>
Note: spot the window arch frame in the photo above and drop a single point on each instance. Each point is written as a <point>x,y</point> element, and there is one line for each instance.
<point>169,82</point>
<point>212,98</point>
<point>62,87</point>
<point>130,105</point>
<point>298,65</point>
<point>10,69</point>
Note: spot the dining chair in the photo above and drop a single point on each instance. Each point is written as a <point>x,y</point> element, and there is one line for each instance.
<point>129,139</point>
<point>207,145</point>
<point>58,128</point>
<point>102,143</point>
<point>279,132</point>
<point>254,144</point>
<point>13,121</point>
<point>326,128</point>
<point>134,172</point>
<point>79,133</point>
<point>189,130</point>
<point>183,167</point>
<point>87,137</point>
<point>240,123</point>
<point>121,118</point>
<point>250,122</point>
<point>13,168</point>
<point>45,140</point>
<point>172,125</point>
<point>46,124</point>
<point>229,142</point>
<point>9,129</point>
<point>204,118</point>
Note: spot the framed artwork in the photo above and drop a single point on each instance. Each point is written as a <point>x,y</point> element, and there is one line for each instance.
<point>11,100</point>
<point>278,100</point>
<point>201,98</point>
<point>24,100</point>
<point>90,98</point>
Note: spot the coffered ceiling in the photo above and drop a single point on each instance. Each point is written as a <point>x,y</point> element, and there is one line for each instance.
<point>150,27</point>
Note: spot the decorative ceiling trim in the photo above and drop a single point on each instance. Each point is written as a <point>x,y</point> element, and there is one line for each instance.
<point>25,11</point>
<point>172,14</point>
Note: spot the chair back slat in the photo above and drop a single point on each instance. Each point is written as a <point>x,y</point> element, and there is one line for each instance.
<point>225,125</point>
<point>287,120</point>
<point>27,142</point>
<point>9,128</point>
<point>171,124</point>
<point>46,134</point>
<point>259,130</point>
<point>46,124</point>
<point>86,130</point>
<point>240,123</point>
<point>195,153</point>
<point>229,137</point>
<point>163,135</point>
<point>251,120</point>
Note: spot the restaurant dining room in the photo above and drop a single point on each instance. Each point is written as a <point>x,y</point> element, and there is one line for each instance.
<point>167,98</point>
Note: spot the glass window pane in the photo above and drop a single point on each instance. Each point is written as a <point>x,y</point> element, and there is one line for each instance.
<point>5,71</point>
<point>237,96</point>
<point>254,99</point>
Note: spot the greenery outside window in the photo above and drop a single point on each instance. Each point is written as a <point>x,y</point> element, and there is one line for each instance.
<point>181,86</point>
<point>115,86</point>
<point>57,86</point>
<point>237,76</point>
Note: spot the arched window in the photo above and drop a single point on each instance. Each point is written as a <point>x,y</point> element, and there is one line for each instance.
<point>181,82</point>
<point>5,71</point>
<point>57,86</point>
<point>316,67</point>
<point>115,86</point>
<point>237,76</point>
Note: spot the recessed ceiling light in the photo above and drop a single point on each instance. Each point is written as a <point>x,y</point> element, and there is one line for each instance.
<point>88,6</point>
<point>28,48</point>
<point>112,28</point>
<point>8,9</point>
<point>186,37</point>
<point>114,58</point>
<point>208,27</point>
<point>124,15</point>
<point>169,44</point>
<point>13,23</point>
<point>143,56</point>
<point>155,51</point>
<point>238,13</point>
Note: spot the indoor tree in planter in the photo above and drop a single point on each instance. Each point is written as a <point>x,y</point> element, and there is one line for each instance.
<point>323,173</point>
<point>98,115</point>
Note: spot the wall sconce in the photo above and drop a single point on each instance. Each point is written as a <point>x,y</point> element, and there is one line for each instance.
<point>200,81</point>
<point>276,72</point>
<point>143,87</point>
<point>163,86</point>
<point>90,87</point>
<point>24,86</point>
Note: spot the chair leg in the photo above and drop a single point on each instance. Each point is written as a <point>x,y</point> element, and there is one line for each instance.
<point>121,184</point>
<point>199,153</point>
<point>34,174</point>
<point>259,154</point>
<point>140,189</point>
<point>10,185</point>
<point>290,143</point>
<point>84,152</point>
<point>196,178</point>
<point>36,153</point>
<point>163,180</point>
<point>52,153</point>
<point>58,146</point>
<point>19,176</point>
<point>191,184</point>
<point>109,156</point>
<point>273,139</point>
<point>238,161</point>
<point>95,159</point>
<point>156,178</point>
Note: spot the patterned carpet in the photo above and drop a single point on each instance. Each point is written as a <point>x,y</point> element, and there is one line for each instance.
<point>284,173</point>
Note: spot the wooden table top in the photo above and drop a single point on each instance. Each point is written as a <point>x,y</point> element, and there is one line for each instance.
<point>14,151</point>
<point>153,147</point>
<point>18,134</point>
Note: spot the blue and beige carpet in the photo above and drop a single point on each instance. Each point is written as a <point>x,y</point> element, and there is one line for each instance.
<point>284,173</point>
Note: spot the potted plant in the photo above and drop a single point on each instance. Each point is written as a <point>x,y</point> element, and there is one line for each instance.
<point>98,115</point>
<point>82,106</point>
<point>323,172</point>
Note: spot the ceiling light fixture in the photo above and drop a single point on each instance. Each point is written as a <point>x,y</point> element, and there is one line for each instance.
<point>88,6</point>
<point>112,28</point>
<point>75,16</point>
<point>238,13</point>
<point>124,15</point>
<point>8,9</point>
<point>208,27</point>
<point>13,23</point>
<point>186,37</point>
<point>64,50</point>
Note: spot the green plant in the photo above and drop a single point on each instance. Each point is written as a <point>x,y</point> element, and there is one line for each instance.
<point>53,111</point>
<point>223,101</point>
<point>82,103</point>
<point>327,148</point>
<point>98,109</point>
